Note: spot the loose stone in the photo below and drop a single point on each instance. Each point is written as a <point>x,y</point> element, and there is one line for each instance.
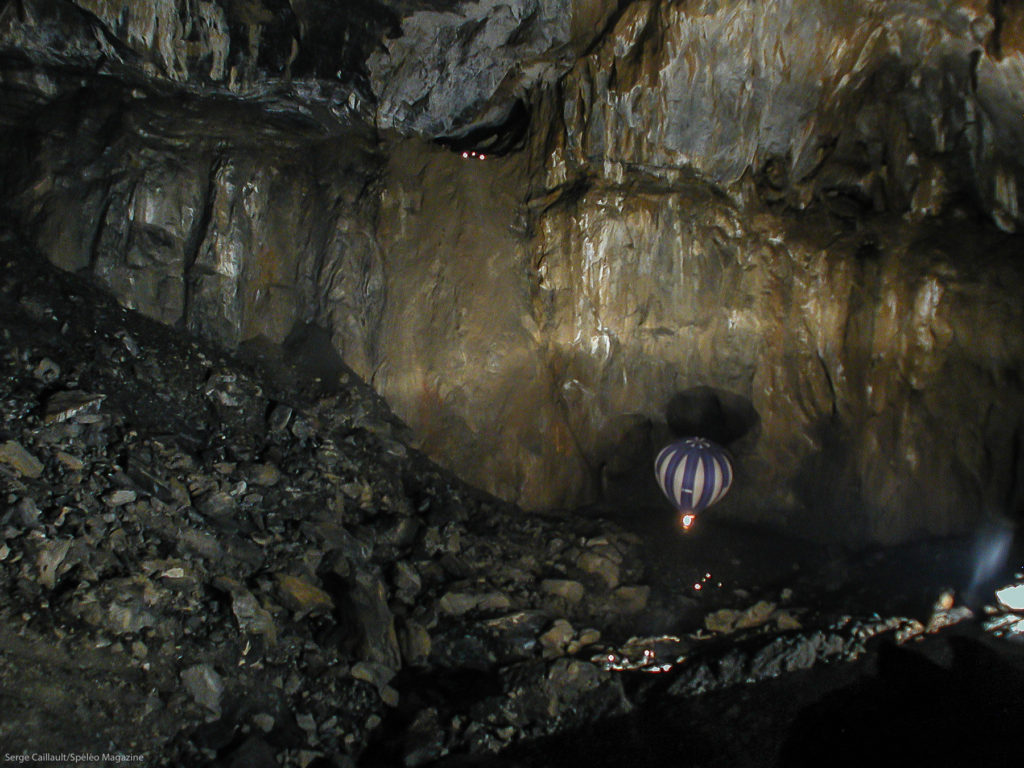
<point>24,463</point>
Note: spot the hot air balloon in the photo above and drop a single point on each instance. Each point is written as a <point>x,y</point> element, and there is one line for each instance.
<point>693,473</point>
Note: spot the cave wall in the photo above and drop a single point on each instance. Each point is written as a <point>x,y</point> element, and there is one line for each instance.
<point>185,213</point>
<point>887,106</point>
<point>882,360</point>
<point>809,206</point>
<point>303,55</point>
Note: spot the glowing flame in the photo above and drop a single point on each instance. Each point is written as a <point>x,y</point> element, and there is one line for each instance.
<point>686,520</point>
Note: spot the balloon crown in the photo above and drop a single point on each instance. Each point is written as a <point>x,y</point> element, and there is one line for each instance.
<point>693,473</point>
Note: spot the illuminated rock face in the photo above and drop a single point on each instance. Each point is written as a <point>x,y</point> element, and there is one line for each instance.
<point>881,360</point>
<point>658,249</point>
<point>454,70</point>
<point>207,216</point>
<point>809,207</point>
<point>888,105</point>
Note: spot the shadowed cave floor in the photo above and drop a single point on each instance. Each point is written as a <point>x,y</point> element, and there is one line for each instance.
<point>949,699</point>
<point>897,706</point>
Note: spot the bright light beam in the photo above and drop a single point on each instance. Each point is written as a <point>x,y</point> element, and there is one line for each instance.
<point>991,547</point>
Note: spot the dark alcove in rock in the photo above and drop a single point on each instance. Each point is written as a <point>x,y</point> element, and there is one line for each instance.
<point>703,411</point>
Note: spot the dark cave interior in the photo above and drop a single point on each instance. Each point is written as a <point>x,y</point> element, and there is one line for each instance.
<point>338,340</point>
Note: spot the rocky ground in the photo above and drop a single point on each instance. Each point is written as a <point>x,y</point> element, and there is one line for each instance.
<point>243,561</point>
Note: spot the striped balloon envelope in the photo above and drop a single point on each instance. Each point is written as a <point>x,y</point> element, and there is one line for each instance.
<point>693,473</point>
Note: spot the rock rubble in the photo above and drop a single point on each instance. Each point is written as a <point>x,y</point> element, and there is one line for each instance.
<point>265,565</point>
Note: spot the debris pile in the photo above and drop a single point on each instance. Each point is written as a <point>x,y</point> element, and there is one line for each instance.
<point>265,567</point>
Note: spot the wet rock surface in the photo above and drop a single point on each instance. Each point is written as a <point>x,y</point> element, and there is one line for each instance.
<point>532,225</point>
<point>301,57</point>
<point>457,74</point>
<point>232,561</point>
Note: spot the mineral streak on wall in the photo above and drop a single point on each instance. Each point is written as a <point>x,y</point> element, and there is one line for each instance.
<point>810,205</point>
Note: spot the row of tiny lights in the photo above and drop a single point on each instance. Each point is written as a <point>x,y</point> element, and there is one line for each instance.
<point>477,155</point>
<point>649,657</point>
<point>698,586</point>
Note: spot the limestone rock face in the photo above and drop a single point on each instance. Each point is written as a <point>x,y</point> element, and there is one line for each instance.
<point>451,70</point>
<point>306,56</point>
<point>809,209</point>
<point>863,105</point>
<point>464,332</point>
<point>853,346</point>
<point>186,213</point>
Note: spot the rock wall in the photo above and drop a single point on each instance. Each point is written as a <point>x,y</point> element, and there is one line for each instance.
<point>450,71</point>
<point>853,347</point>
<point>666,251</point>
<point>300,56</point>
<point>460,350</point>
<point>808,207</point>
<point>207,215</point>
<point>886,388</point>
<point>878,106</point>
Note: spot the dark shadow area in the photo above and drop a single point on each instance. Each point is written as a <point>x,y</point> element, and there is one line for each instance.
<point>497,138</point>
<point>718,415</point>
<point>960,705</point>
<point>311,346</point>
<point>307,358</point>
<point>906,579</point>
<point>948,701</point>
<point>624,468</point>
<point>832,506</point>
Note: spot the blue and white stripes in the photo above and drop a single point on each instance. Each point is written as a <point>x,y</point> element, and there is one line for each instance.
<point>693,473</point>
